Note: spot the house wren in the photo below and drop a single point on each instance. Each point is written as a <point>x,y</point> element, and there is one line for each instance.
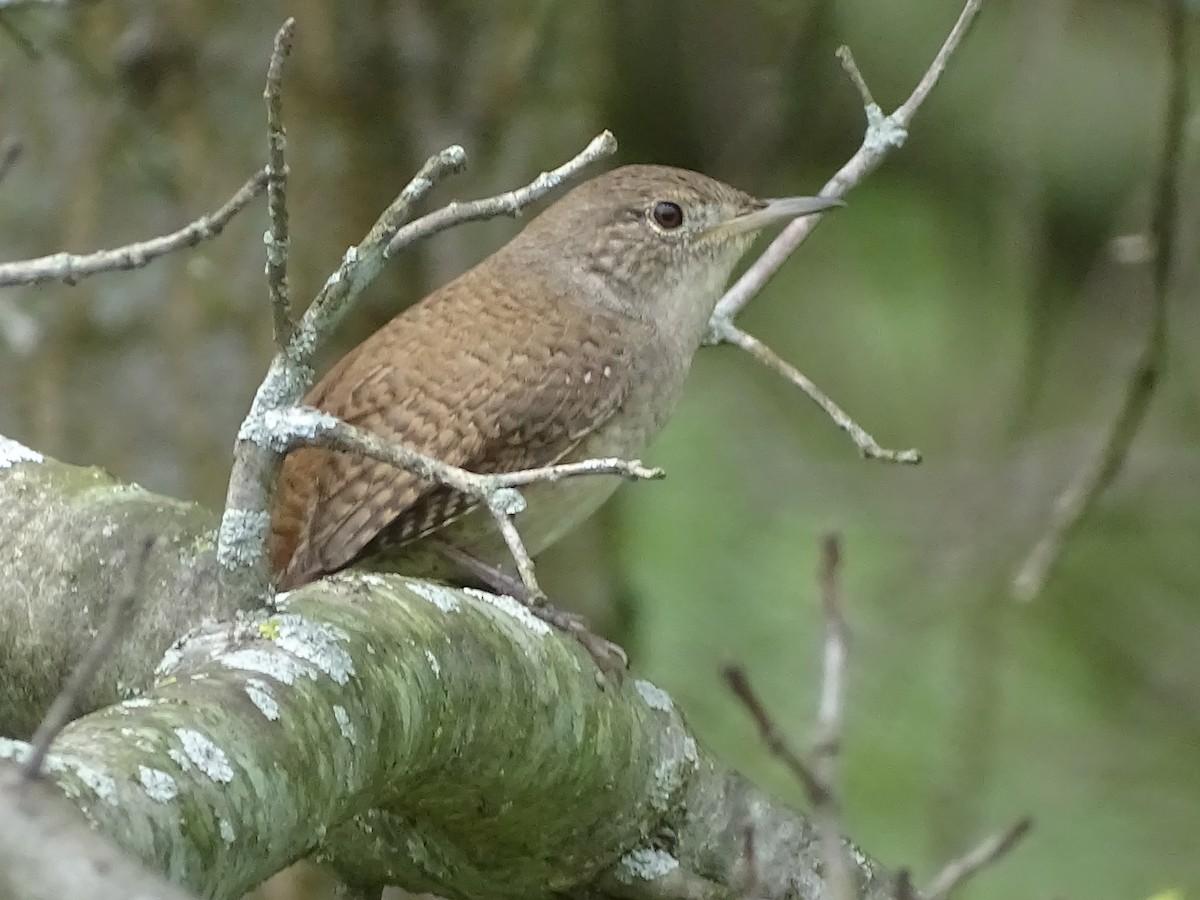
<point>570,342</point>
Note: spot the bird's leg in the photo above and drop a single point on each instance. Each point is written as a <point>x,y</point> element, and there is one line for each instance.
<point>609,657</point>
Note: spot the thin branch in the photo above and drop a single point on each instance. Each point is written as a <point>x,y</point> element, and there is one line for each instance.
<point>115,627</point>
<point>818,778</point>
<point>884,133</point>
<point>850,67</point>
<point>772,735</point>
<point>929,80</point>
<point>828,738</point>
<point>510,203</point>
<point>70,268</point>
<point>297,427</point>
<point>1094,477</point>
<point>276,239</point>
<point>988,851</point>
<point>882,136</point>
<point>301,426</point>
<point>242,539</point>
<point>866,444</point>
<point>904,889</point>
<point>361,263</point>
<point>11,149</point>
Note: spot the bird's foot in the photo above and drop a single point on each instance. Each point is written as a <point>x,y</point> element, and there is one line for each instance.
<point>610,659</point>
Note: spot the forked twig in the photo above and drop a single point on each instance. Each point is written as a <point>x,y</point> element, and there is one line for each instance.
<point>884,133</point>
<point>818,778</point>
<point>297,427</point>
<point>1096,474</point>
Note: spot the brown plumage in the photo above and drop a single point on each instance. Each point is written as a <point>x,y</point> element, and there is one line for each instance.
<point>570,342</point>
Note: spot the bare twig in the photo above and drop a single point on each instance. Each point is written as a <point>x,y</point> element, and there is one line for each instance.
<point>850,67</point>
<point>386,238</point>
<point>748,885</point>
<point>297,427</point>
<point>828,738</point>
<point>276,239</point>
<point>510,203</point>
<point>833,669</point>
<point>884,133</point>
<point>10,151</point>
<point>70,268</point>
<point>771,734</point>
<point>957,871</point>
<point>866,444</point>
<point>244,524</point>
<point>819,778</point>
<point>904,887</point>
<point>115,627</point>
<point>361,263</point>
<point>1094,477</point>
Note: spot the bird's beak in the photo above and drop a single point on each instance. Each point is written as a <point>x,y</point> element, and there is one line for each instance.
<point>781,209</point>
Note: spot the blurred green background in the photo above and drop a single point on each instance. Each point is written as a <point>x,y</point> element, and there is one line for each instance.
<point>982,298</point>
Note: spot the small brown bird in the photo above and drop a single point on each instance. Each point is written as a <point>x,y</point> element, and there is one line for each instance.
<point>570,342</point>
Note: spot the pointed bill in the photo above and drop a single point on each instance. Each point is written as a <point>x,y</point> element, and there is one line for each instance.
<point>780,209</point>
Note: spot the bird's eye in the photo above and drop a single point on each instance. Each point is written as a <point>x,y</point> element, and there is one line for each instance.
<point>668,215</point>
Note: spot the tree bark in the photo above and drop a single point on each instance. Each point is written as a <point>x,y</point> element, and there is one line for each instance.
<point>403,732</point>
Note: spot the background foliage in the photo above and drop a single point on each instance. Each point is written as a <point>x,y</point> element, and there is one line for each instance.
<point>982,298</point>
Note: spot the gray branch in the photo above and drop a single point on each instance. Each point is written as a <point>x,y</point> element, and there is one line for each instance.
<point>70,267</point>
<point>440,739</point>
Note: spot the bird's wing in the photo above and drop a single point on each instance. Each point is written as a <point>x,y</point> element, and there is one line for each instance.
<point>461,398</point>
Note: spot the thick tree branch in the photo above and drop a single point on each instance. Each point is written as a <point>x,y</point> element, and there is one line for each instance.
<point>47,852</point>
<point>365,692</point>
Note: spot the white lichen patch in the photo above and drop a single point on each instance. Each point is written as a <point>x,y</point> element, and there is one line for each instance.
<point>689,753</point>
<point>227,833</point>
<point>103,785</point>
<point>200,644</point>
<point>283,667</point>
<point>237,546</point>
<point>442,597</point>
<point>654,696</point>
<point>276,429</point>
<point>260,695</point>
<point>180,758</point>
<point>170,662</point>
<point>374,579</point>
<point>12,453</point>
<point>645,864</point>
<point>317,643</point>
<point>670,772</point>
<point>434,665</point>
<point>158,784</point>
<point>137,703</point>
<point>17,751</point>
<point>512,607</point>
<point>205,755</point>
<point>349,732</point>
